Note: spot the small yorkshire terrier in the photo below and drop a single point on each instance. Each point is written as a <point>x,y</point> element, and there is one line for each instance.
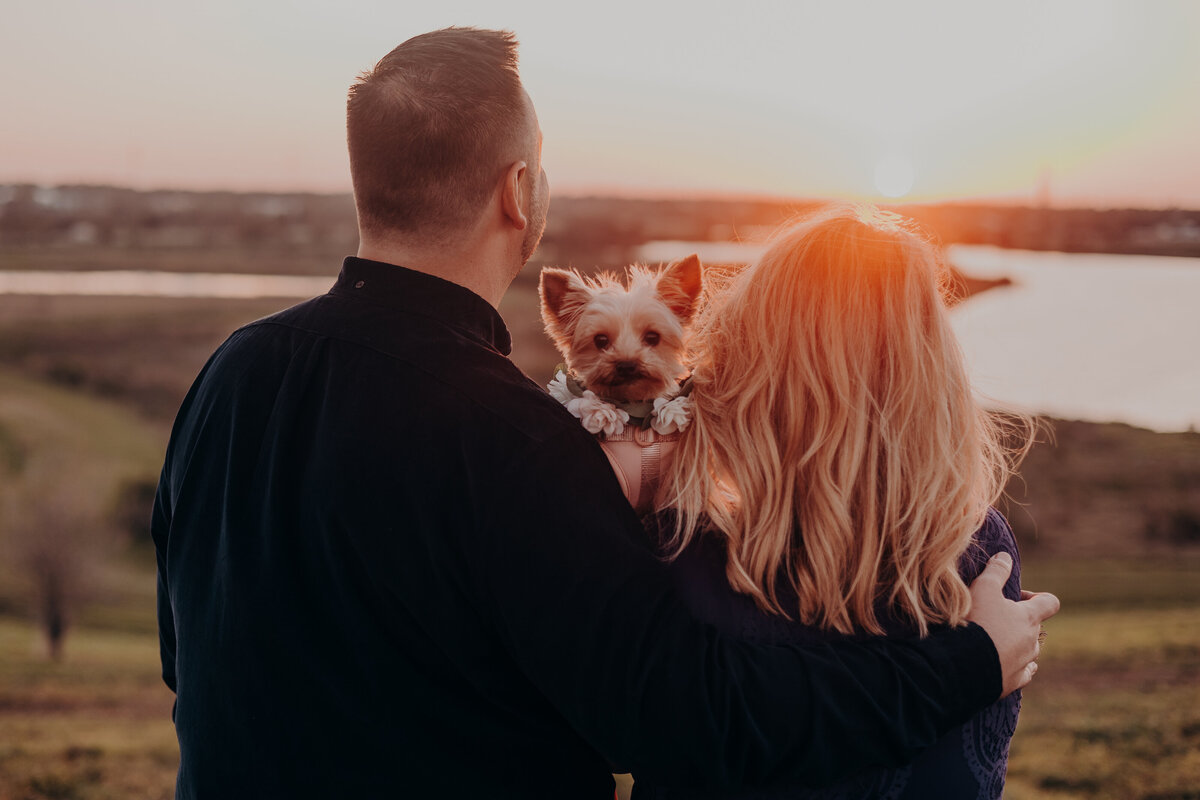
<point>624,343</point>
<point>623,347</point>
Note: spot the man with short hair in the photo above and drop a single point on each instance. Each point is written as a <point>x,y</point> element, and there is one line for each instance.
<point>389,564</point>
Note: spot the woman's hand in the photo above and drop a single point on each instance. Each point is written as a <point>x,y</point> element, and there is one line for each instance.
<point>1014,626</point>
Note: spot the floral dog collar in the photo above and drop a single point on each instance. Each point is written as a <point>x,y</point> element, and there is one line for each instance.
<point>664,415</point>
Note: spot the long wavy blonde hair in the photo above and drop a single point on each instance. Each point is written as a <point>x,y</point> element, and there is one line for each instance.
<point>836,443</point>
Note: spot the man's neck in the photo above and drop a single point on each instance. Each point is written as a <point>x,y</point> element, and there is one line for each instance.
<point>478,268</point>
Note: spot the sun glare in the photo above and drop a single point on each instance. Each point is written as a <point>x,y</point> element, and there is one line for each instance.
<point>894,176</point>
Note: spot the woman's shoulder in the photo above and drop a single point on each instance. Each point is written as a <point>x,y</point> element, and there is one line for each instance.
<point>994,536</point>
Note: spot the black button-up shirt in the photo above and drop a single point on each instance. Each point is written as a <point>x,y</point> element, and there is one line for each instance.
<point>390,565</point>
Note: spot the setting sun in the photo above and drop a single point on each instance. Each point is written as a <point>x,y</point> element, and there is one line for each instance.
<point>894,176</point>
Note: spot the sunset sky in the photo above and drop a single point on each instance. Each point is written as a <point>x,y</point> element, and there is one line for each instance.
<point>1092,102</point>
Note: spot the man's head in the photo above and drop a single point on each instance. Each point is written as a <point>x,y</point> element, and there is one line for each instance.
<point>434,128</point>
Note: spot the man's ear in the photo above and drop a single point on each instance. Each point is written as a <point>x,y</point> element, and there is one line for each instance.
<point>512,195</point>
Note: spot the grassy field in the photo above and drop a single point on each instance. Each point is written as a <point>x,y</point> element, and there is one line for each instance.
<point>1114,712</point>
<point>95,726</point>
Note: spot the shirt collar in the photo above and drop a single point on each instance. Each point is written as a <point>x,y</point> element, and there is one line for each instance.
<point>427,295</point>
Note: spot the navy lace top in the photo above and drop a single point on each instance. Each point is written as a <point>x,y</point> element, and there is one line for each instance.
<point>968,762</point>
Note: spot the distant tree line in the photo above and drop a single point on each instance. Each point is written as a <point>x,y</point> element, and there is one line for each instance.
<point>602,229</point>
<point>110,216</point>
<point>1172,232</point>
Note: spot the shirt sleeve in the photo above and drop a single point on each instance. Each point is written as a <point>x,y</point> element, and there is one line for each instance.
<point>588,614</point>
<point>160,529</point>
<point>160,525</point>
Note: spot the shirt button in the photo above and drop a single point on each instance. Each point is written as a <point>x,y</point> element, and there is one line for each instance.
<point>360,284</point>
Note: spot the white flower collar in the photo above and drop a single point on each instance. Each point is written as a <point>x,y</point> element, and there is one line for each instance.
<point>664,415</point>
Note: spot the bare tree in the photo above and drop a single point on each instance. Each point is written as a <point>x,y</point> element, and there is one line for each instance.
<point>55,534</point>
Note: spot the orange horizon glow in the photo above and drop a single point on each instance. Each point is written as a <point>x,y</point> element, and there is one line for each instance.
<point>1068,103</point>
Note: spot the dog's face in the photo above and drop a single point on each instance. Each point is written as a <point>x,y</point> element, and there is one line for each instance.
<point>625,343</point>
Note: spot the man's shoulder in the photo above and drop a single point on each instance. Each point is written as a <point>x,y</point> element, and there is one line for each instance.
<point>499,389</point>
<point>421,363</point>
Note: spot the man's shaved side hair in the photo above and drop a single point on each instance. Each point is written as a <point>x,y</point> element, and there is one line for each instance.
<point>431,129</point>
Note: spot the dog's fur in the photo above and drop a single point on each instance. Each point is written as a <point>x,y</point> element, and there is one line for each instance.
<point>625,343</point>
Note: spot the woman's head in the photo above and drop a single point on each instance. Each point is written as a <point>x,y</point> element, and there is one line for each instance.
<point>837,443</point>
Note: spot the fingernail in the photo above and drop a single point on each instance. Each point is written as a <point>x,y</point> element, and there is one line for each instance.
<point>1002,556</point>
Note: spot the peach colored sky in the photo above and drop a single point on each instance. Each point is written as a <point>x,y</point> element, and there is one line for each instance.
<point>1094,102</point>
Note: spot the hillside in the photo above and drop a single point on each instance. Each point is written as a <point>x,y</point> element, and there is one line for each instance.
<point>1108,490</point>
<point>73,475</point>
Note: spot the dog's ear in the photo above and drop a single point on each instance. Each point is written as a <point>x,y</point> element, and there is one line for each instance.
<point>563,294</point>
<point>562,291</point>
<point>679,286</point>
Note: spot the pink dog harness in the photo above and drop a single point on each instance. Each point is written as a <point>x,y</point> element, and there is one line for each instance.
<point>638,438</point>
<point>638,457</point>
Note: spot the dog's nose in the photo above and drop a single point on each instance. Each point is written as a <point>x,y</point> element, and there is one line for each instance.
<point>626,369</point>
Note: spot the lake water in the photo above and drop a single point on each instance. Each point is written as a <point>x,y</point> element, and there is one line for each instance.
<point>1077,336</point>
<point>163,284</point>
<point>1086,336</point>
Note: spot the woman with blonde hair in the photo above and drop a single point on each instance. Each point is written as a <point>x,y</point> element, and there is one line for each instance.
<point>838,474</point>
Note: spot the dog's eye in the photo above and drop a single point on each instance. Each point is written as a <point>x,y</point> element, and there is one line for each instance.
<point>601,341</point>
<point>651,338</point>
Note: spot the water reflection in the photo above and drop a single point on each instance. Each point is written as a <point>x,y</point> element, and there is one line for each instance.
<point>131,283</point>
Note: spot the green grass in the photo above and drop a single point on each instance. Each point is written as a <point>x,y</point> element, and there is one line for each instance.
<point>74,454</point>
<point>141,353</point>
<point>95,726</point>
<point>40,418</point>
<point>1114,712</point>
<point>1157,582</point>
